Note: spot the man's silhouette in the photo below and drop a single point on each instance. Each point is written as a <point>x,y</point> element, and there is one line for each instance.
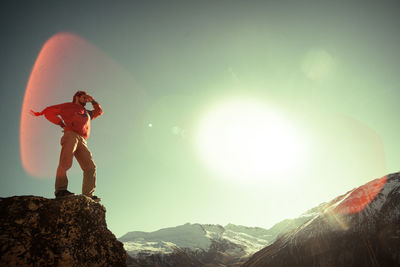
<point>75,120</point>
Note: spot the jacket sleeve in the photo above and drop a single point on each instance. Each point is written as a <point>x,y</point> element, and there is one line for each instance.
<point>52,114</point>
<point>97,110</point>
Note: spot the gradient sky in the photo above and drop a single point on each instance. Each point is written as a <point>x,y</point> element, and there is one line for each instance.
<point>330,68</point>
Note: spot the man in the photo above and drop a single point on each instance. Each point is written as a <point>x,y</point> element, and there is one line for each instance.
<point>75,120</point>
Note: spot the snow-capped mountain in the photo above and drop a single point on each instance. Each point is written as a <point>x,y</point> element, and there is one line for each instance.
<point>359,228</point>
<point>205,242</point>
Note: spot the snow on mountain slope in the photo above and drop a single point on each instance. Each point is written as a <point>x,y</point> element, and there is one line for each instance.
<point>192,236</point>
<point>252,239</point>
<point>251,231</point>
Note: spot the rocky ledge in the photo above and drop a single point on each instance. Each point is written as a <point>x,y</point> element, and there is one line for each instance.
<point>36,231</point>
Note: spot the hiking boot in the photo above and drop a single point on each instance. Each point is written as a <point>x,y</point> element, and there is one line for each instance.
<point>64,193</point>
<point>95,198</point>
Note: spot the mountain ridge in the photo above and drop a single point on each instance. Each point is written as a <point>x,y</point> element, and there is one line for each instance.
<point>358,228</point>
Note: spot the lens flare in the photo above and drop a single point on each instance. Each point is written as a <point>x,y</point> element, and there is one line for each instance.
<point>353,202</point>
<point>358,199</point>
<point>68,63</point>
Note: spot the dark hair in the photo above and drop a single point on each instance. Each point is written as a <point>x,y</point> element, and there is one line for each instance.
<point>78,93</point>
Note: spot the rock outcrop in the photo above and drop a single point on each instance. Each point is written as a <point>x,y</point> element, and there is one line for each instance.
<point>35,231</point>
<point>359,228</point>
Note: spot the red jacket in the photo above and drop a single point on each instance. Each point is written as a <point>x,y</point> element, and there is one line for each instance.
<point>75,116</point>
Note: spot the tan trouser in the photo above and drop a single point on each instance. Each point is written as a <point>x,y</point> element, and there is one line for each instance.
<point>73,144</point>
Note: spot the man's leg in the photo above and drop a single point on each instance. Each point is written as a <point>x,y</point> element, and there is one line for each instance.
<point>84,157</point>
<point>69,143</point>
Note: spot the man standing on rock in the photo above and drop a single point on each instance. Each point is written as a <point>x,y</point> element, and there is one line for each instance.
<point>75,121</point>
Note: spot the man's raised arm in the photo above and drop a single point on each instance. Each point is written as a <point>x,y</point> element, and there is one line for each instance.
<point>97,108</point>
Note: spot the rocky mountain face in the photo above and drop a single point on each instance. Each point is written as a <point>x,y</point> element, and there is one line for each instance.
<point>35,231</point>
<point>359,228</point>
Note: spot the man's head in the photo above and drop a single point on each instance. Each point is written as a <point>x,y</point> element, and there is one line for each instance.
<point>80,98</point>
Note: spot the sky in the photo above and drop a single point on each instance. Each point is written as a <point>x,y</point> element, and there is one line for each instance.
<point>217,112</point>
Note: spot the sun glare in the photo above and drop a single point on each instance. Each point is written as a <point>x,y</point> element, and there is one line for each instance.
<point>247,140</point>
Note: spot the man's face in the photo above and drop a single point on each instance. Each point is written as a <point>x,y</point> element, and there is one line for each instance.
<point>82,99</point>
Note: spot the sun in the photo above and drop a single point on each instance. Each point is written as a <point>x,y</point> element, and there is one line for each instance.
<point>246,139</point>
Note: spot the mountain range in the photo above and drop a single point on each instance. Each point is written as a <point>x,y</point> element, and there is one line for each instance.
<point>206,243</point>
<point>358,228</point>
